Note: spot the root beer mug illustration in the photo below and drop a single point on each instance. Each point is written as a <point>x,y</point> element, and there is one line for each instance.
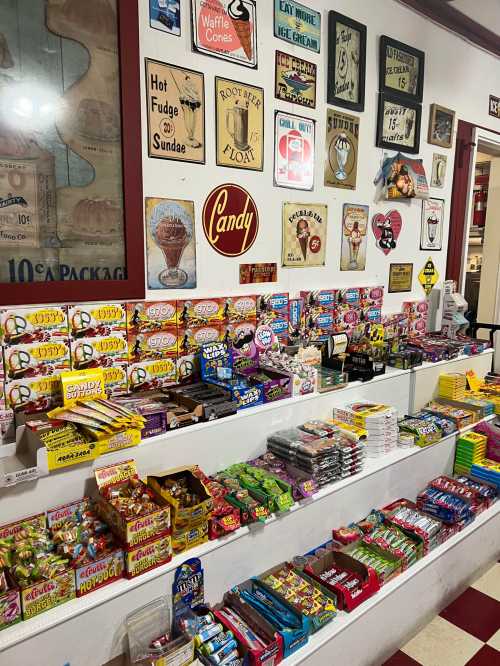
<point>237,125</point>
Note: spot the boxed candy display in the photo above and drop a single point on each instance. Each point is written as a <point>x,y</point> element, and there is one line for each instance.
<point>96,319</point>
<point>380,421</point>
<point>251,510</point>
<point>152,345</point>
<point>304,376</point>
<point>10,598</point>
<point>303,485</point>
<point>461,417</point>
<point>146,316</point>
<point>271,492</point>
<point>272,311</point>
<point>425,432</point>
<point>27,325</point>
<point>386,564</point>
<point>224,518</point>
<point>212,401</point>
<point>190,339</point>
<point>93,551</point>
<point>201,311</point>
<point>405,515</point>
<point>36,359</point>
<point>470,449</point>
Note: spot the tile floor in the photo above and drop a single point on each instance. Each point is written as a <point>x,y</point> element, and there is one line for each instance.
<point>465,633</point>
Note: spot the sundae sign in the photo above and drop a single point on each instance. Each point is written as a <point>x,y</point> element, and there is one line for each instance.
<point>304,234</point>
<point>230,220</point>
<point>295,80</point>
<point>342,131</point>
<point>226,29</point>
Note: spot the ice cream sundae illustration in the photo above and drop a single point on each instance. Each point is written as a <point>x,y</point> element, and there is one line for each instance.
<point>189,98</point>
<point>342,150</point>
<point>172,229</point>
<point>298,83</point>
<point>432,227</point>
<point>354,238</point>
<point>240,18</point>
<point>303,235</point>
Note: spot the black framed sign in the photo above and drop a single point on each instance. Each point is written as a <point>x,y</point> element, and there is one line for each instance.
<point>346,62</point>
<point>401,69</point>
<point>398,124</point>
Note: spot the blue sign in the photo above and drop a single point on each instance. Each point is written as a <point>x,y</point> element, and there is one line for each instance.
<point>297,24</point>
<point>165,15</point>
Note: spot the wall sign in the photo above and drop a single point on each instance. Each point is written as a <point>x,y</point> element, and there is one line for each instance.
<point>226,29</point>
<point>438,174</point>
<point>342,132</point>
<point>230,220</point>
<point>304,234</point>
<point>401,69</point>
<point>293,151</point>
<point>257,273</point>
<point>398,124</point>
<point>431,229</point>
<point>441,126</point>
<point>386,229</point>
<point>295,80</point>
<point>240,125</point>
<point>176,112</point>
<point>346,62</point>
<point>400,278</point>
<point>354,229</point>
<point>494,106</point>
<point>165,15</point>
<point>428,276</point>
<point>297,24</point>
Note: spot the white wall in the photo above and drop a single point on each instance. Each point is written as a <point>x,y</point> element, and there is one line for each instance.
<point>457,76</point>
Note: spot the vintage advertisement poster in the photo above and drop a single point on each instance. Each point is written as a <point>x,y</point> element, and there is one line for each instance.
<point>297,24</point>
<point>398,125</point>
<point>295,80</point>
<point>230,220</point>
<point>226,29</point>
<point>428,276</point>
<point>176,112</point>
<point>304,234</point>
<point>386,229</point>
<point>401,70</point>
<point>240,125</point>
<point>494,106</point>
<point>400,278</point>
<point>431,230</point>
<point>342,133</point>
<point>293,151</point>
<point>438,174</point>
<point>170,244</point>
<point>348,52</point>
<point>165,15</point>
<point>354,228</point>
<point>257,273</point>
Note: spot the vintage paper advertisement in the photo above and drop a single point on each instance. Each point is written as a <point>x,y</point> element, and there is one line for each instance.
<point>431,230</point>
<point>438,174</point>
<point>294,151</point>
<point>386,229</point>
<point>295,80</point>
<point>171,244</point>
<point>297,24</point>
<point>401,70</point>
<point>400,277</point>
<point>165,15</point>
<point>304,234</point>
<point>346,74</point>
<point>342,133</point>
<point>226,29</point>
<point>354,228</point>
<point>256,273</point>
<point>240,124</point>
<point>398,124</point>
<point>176,112</point>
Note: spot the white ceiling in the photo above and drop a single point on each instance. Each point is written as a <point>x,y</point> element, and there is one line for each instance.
<point>484,12</point>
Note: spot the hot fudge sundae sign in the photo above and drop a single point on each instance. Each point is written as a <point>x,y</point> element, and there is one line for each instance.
<point>304,234</point>
<point>176,112</point>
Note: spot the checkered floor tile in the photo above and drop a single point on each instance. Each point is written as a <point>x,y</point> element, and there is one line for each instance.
<point>465,633</point>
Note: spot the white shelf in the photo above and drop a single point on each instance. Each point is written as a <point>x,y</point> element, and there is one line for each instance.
<point>463,357</point>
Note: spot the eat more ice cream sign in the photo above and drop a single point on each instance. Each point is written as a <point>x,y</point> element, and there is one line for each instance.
<point>297,24</point>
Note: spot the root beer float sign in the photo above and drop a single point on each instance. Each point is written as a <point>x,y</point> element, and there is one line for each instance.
<point>230,220</point>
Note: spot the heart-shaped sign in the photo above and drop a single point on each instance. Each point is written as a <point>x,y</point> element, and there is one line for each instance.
<point>386,229</point>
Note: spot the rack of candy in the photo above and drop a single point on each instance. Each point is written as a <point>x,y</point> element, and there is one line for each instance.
<point>379,421</point>
<point>478,453</point>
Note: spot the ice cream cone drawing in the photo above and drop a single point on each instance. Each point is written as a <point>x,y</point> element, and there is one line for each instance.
<point>303,234</point>
<point>240,18</point>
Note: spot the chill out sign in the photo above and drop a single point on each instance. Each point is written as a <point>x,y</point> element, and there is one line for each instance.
<point>297,24</point>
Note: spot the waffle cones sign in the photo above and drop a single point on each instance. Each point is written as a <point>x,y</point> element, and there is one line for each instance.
<point>304,234</point>
<point>226,29</point>
<point>230,220</point>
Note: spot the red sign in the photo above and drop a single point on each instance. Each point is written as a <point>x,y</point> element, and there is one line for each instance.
<point>251,273</point>
<point>230,220</point>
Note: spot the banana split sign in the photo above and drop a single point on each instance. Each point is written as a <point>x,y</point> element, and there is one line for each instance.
<point>230,220</point>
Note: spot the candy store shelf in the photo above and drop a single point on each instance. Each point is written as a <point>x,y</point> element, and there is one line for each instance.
<point>487,419</point>
<point>463,357</point>
<point>442,558</point>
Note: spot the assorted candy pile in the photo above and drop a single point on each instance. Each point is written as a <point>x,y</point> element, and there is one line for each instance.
<point>131,498</point>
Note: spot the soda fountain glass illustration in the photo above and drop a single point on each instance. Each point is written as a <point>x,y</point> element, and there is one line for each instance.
<point>342,150</point>
<point>172,230</point>
<point>432,227</point>
<point>354,240</point>
<point>189,98</point>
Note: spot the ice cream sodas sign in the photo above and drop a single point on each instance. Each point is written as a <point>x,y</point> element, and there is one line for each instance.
<point>230,220</point>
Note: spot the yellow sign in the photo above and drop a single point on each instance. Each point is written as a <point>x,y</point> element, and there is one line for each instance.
<point>473,380</point>
<point>82,384</point>
<point>74,454</point>
<point>428,276</point>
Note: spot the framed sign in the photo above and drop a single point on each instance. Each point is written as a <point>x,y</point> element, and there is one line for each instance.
<point>239,110</point>
<point>441,126</point>
<point>175,100</point>
<point>438,173</point>
<point>165,15</point>
<point>401,69</point>
<point>295,80</point>
<point>304,234</point>
<point>293,151</point>
<point>341,165</point>
<point>297,24</point>
<point>494,106</point>
<point>226,29</point>
<point>398,124</point>
<point>400,278</point>
<point>431,228</point>
<point>70,165</point>
<point>354,230</point>
<point>257,273</point>
<point>346,62</point>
